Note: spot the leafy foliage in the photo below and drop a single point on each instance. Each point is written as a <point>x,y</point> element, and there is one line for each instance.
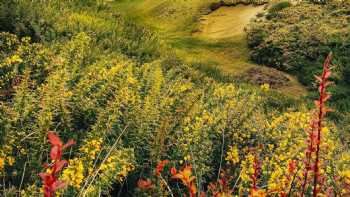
<point>105,81</point>
<point>297,38</point>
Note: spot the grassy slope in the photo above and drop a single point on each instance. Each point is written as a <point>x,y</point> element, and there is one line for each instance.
<point>192,34</point>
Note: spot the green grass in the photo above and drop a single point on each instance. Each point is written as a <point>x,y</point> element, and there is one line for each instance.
<point>175,23</point>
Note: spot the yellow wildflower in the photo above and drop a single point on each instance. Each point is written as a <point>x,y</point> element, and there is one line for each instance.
<point>2,163</point>
<point>14,59</point>
<point>10,160</point>
<point>91,148</point>
<point>187,158</point>
<point>265,87</point>
<point>346,175</point>
<point>74,174</point>
<point>232,155</point>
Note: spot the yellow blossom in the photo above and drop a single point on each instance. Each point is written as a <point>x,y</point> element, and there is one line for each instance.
<point>10,160</point>
<point>265,87</point>
<point>346,175</point>
<point>74,174</point>
<point>14,59</point>
<point>187,157</point>
<point>233,155</point>
<point>91,148</point>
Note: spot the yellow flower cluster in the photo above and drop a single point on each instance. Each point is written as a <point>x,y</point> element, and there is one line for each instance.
<point>277,179</point>
<point>10,160</point>
<point>265,87</point>
<point>4,159</point>
<point>187,158</point>
<point>109,163</point>
<point>91,148</point>
<point>345,175</point>
<point>14,59</point>
<point>125,169</point>
<point>247,167</point>
<point>7,66</point>
<point>232,155</point>
<point>74,174</point>
<point>117,163</point>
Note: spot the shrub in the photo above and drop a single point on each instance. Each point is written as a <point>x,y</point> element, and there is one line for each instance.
<point>19,58</point>
<point>295,38</point>
<point>279,6</point>
<point>132,119</point>
<point>17,18</point>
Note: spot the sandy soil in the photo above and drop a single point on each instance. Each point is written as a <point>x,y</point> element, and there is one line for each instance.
<point>227,21</point>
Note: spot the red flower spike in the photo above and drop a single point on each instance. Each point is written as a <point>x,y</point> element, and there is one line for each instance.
<point>314,139</point>
<point>58,166</point>
<point>54,139</point>
<point>57,145</point>
<point>292,166</point>
<point>55,153</point>
<point>46,177</point>
<point>58,185</point>
<point>50,180</point>
<point>69,143</point>
<point>327,74</point>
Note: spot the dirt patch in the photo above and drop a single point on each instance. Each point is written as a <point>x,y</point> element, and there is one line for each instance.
<point>262,75</point>
<point>227,21</point>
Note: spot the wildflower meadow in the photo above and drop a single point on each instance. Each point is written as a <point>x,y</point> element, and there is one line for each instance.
<point>132,98</point>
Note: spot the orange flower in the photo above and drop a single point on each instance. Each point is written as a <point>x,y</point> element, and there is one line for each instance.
<point>144,184</point>
<point>187,179</point>
<point>258,193</point>
<point>161,166</point>
<point>185,175</point>
<point>192,188</point>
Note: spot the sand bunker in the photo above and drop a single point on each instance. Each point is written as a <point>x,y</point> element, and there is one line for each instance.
<point>227,22</point>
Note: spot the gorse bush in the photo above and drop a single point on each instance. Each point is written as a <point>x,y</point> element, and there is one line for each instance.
<point>279,6</point>
<point>275,8</point>
<point>13,19</point>
<point>304,174</point>
<point>36,23</point>
<point>35,63</point>
<point>144,124</point>
<point>126,117</point>
<point>58,20</point>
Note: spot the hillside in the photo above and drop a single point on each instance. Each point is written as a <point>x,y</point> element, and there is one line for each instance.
<point>161,98</point>
<point>189,28</point>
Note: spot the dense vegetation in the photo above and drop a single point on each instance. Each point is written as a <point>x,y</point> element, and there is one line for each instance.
<point>296,38</point>
<point>136,111</point>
